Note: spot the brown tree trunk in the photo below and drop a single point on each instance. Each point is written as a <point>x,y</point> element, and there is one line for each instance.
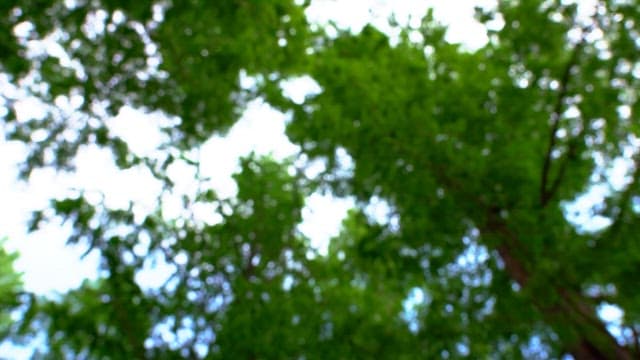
<point>591,340</point>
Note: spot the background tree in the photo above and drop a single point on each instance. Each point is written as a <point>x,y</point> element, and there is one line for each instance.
<point>477,152</point>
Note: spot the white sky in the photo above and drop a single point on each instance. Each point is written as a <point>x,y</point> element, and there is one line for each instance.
<point>457,14</point>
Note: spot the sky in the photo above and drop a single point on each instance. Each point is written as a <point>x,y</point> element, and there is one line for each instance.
<point>50,267</point>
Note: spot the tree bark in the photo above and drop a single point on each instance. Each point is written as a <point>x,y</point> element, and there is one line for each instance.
<point>591,340</point>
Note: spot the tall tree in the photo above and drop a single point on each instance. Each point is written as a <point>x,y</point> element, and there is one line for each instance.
<point>477,152</point>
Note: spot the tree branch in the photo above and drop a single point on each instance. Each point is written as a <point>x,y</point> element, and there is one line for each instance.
<point>547,194</point>
<point>564,165</point>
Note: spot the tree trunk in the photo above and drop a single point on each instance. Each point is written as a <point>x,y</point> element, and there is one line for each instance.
<point>590,340</point>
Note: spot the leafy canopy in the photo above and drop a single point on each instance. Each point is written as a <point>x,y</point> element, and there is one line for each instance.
<point>477,153</point>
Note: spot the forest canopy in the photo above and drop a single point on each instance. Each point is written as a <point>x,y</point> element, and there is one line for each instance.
<point>477,152</point>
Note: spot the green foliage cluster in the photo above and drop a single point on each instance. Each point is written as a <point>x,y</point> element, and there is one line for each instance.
<point>10,289</point>
<point>476,151</point>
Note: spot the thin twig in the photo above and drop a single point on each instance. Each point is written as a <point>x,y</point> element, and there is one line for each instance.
<point>564,165</point>
<point>545,194</point>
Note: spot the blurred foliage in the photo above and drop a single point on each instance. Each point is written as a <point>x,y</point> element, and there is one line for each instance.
<point>10,289</point>
<point>477,153</point>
